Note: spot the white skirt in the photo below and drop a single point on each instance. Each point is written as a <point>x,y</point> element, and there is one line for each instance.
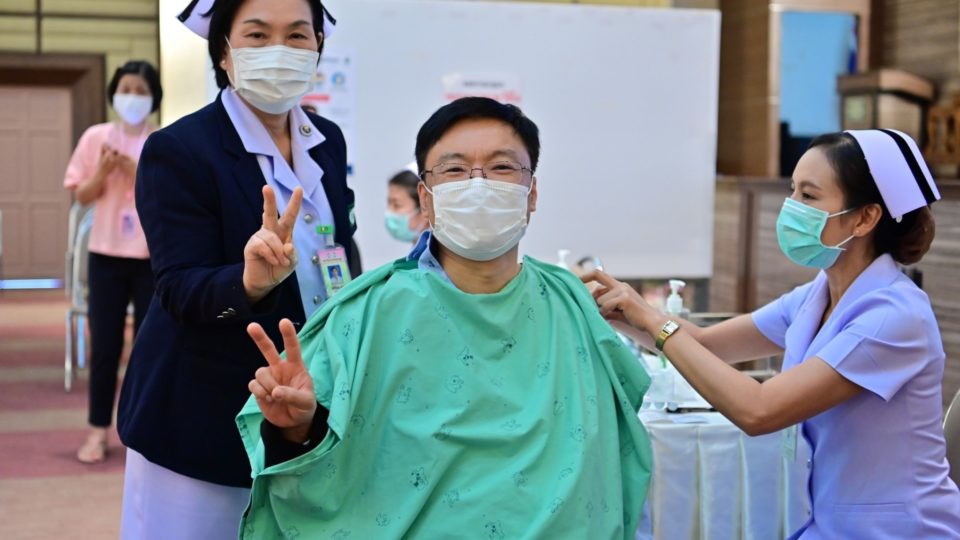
<point>161,504</point>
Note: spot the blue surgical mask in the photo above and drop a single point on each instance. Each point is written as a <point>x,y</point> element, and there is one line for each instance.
<point>799,227</point>
<point>398,225</point>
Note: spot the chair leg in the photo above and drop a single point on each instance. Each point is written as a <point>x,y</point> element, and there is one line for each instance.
<point>81,341</point>
<point>68,354</point>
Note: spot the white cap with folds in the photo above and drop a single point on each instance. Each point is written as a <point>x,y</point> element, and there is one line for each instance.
<point>196,17</point>
<point>898,169</point>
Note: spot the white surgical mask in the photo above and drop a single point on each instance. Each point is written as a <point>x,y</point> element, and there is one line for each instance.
<point>132,108</point>
<point>273,79</point>
<point>479,219</point>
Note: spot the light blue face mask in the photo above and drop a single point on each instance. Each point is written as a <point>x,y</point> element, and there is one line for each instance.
<point>398,225</point>
<point>798,231</point>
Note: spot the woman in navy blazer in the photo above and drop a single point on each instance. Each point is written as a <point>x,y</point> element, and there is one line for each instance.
<point>211,226</point>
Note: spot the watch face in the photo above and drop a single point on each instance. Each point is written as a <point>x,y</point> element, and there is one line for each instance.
<point>671,326</point>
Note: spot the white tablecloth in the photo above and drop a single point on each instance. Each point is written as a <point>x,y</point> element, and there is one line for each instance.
<point>711,481</point>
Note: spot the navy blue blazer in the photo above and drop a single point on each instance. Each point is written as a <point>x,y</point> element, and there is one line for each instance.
<point>199,198</point>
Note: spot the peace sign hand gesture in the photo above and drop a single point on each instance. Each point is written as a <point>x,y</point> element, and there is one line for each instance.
<point>269,256</point>
<point>284,389</point>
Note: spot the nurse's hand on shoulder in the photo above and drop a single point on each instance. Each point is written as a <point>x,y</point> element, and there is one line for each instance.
<point>620,302</point>
<point>283,389</point>
<point>269,256</point>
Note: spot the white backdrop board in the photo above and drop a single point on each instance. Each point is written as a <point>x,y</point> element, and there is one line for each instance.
<point>625,98</point>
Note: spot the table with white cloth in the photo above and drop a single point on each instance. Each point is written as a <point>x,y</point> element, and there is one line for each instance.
<point>711,481</point>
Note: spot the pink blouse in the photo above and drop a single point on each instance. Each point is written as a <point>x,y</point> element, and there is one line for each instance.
<point>116,227</point>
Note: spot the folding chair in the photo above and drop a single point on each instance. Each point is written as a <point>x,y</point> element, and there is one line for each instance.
<point>951,432</point>
<point>76,287</point>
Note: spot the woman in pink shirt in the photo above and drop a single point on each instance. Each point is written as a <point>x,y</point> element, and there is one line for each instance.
<point>102,171</point>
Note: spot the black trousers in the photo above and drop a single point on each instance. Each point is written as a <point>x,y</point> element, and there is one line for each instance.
<point>114,282</point>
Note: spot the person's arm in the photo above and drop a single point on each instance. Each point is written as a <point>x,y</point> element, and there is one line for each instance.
<point>91,189</point>
<point>89,166</point>
<point>735,340</point>
<point>179,210</point>
<point>802,392</point>
<point>757,408</point>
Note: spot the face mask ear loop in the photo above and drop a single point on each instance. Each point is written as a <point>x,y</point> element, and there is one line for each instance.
<point>230,76</point>
<point>430,191</point>
<point>849,238</point>
<point>852,236</point>
<point>840,213</point>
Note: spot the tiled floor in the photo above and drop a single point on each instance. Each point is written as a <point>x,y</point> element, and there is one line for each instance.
<point>45,493</point>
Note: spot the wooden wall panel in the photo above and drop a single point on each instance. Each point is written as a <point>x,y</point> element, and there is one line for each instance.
<point>940,281</point>
<point>922,37</point>
<point>744,87</point>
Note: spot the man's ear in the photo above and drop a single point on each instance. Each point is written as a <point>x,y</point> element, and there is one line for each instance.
<point>426,202</point>
<point>532,200</point>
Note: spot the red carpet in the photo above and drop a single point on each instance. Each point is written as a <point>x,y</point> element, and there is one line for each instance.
<point>41,425</point>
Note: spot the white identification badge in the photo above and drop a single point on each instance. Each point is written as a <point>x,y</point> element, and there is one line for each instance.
<point>789,442</point>
<point>334,268</point>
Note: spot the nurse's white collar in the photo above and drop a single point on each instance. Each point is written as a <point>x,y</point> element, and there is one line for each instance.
<point>255,137</point>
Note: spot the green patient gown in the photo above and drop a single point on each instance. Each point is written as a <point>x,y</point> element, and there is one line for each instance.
<point>452,415</point>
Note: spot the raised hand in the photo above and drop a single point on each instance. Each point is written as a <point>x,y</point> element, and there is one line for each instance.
<point>620,302</point>
<point>283,389</point>
<point>269,256</point>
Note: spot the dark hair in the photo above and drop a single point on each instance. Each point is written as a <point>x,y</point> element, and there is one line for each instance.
<point>143,69</point>
<point>407,181</point>
<point>906,241</point>
<point>470,108</point>
<point>224,11</point>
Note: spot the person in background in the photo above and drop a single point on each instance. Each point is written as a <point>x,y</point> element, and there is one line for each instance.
<point>102,171</point>
<point>863,357</point>
<point>237,199</point>
<point>403,218</point>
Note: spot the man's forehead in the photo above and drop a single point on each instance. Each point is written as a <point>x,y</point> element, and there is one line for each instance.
<point>483,138</point>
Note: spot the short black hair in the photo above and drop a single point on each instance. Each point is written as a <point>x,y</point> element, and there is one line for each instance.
<point>224,11</point>
<point>143,69</point>
<point>407,181</point>
<point>470,108</point>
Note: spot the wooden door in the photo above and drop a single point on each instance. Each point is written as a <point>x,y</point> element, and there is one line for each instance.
<point>35,145</point>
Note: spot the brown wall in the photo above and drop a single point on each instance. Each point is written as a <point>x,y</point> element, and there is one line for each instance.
<point>744,106</point>
<point>922,37</point>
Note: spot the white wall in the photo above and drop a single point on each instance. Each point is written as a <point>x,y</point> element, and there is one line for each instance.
<point>626,100</point>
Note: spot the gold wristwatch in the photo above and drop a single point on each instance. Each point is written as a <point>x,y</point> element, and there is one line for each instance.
<point>669,328</point>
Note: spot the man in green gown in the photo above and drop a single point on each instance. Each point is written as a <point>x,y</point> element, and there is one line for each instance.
<point>456,393</point>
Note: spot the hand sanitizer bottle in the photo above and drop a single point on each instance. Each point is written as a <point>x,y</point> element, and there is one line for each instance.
<point>674,307</point>
<point>675,301</point>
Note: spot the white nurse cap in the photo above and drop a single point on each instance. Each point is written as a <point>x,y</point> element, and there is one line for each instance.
<point>898,169</point>
<point>196,17</point>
